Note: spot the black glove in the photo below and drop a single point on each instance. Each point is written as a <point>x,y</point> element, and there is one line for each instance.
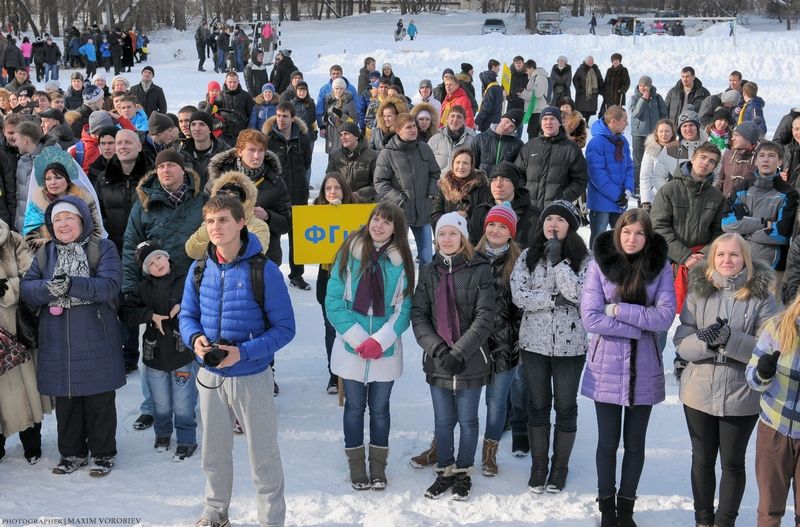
<point>740,210</point>
<point>622,200</point>
<point>560,300</point>
<point>552,249</point>
<point>713,335</point>
<point>337,112</point>
<point>3,286</point>
<point>767,365</point>
<point>452,364</point>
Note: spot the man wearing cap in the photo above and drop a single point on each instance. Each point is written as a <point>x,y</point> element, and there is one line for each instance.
<point>355,161</point>
<point>505,183</point>
<point>646,108</point>
<point>281,76</point>
<point>291,90</point>
<point>161,135</point>
<point>491,107</point>
<point>737,168</point>
<point>151,97</point>
<point>201,145</point>
<point>55,130</point>
<point>687,91</point>
<point>255,73</point>
<point>455,134</point>
<point>554,166</point>
<point>93,100</point>
<point>73,97</point>
<point>729,100</point>
<point>425,94</point>
<point>499,143</point>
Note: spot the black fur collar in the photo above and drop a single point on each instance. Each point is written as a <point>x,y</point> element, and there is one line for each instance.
<point>615,266</point>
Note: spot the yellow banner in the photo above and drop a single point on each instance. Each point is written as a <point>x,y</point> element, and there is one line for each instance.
<point>505,78</point>
<point>319,230</point>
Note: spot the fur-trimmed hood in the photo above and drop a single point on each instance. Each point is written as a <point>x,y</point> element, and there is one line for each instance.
<point>427,107</point>
<point>301,125</point>
<point>397,102</point>
<point>652,146</point>
<point>241,180</point>
<point>259,99</point>
<point>226,161</point>
<point>147,186</point>
<point>615,266</point>
<point>454,194</point>
<point>758,285</point>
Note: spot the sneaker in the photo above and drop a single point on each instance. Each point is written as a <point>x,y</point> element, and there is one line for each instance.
<point>462,484</point>
<point>237,428</point>
<point>101,466</point>
<point>69,464</point>
<point>299,283</point>
<point>143,422</point>
<point>161,444</point>
<point>184,451</point>
<point>520,447</point>
<point>439,487</point>
<point>33,455</point>
<point>333,385</point>
<point>205,522</point>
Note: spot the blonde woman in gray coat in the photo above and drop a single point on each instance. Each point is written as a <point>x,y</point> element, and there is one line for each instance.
<point>730,299</point>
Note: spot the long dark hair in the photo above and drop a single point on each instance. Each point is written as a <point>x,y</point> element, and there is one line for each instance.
<point>347,195</point>
<point>573,248</point>
<point>633,288</point>
<point>399,239</point>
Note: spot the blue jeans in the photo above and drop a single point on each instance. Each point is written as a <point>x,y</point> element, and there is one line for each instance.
<point>519,403</point>
<point>423,236</point>
<point>221,60</point>
<point>497,404</point>
<point>50,72</point>
<point>451,407</point>
<point>357,396</point>
<point>174,396</point>
<point>239,62</point>
<point>599,223</point>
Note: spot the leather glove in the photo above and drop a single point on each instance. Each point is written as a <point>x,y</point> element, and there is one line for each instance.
<point>622,200</point>
<point>552,248</point>
<point>740,210</point>
<point>337,112</point>
<point>560,300</point>
<point>3,286</point>
<point>452,364</point>
<point>767,366</point>
<point>370,349</point>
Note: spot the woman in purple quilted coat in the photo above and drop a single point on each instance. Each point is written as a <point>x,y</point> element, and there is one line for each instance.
<point>628,298</point>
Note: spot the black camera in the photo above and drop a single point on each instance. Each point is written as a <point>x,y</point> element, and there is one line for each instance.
<point>216,355</point>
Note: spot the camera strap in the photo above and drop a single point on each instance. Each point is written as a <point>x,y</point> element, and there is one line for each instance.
<point>217,387</point>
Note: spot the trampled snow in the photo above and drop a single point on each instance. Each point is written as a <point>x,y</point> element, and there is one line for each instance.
<point>148,487</point>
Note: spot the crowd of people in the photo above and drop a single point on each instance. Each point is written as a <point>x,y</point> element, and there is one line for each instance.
<point>116,213</point>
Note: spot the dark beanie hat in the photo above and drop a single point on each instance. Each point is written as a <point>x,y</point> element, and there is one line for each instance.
<point>551,111</point>
<point>466,67</point>
<point>515,116</point>
<point>351,128</point>
<point>722,113</point>
<point>159,122</point>
<point>447,71</point>
<point>145,252</point>
<point>566,210</point>
<point>507,170</point>
<point>301,84</point>
<point>150,69</point>
<point>202,116</point>
<point>171,155</point>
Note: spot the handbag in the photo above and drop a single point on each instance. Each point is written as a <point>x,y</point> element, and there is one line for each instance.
<point>27,325</point>
<point>12,353</point>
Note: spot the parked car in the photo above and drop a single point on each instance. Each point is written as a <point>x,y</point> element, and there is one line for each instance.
<point>493,25</point>
<point>548,23</point>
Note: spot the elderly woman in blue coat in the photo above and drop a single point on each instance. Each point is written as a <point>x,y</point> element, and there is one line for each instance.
<point>80,352</point>
<point>368,302</point>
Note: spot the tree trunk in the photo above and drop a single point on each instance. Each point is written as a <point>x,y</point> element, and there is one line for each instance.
<point>26,15</point>
<point>575,7</point>
<point>179,7</point>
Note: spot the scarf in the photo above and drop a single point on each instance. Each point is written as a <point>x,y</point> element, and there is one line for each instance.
<point>71,261</point>
<point>590,85</point>
<point>618,143</point>
<point>254,174</point>
<point>447,324</point>
<point>494,253</point>
<point>177,197</point>
<point>370,288</point>
<point>456,135</point>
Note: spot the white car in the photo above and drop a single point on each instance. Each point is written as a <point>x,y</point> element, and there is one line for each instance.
<point>494,25</point>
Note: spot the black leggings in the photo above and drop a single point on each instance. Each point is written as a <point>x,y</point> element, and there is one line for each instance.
<point>633,432</point>
<point>728,436</point>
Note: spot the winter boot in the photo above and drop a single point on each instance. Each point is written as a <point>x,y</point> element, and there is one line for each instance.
<point>539,438</point>
<point>625,512</point>
<point>608,511</point>
<point>520,445</point>
<point>426,458</point>
<point>377,466</point>
<point>444,481</point>
<point>562,449</point>
<point>489,458</point>
<point>356,458</point>
<point>462,483</point>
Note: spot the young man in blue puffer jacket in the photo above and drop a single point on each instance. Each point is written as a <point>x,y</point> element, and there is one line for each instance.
<point>225,314</point>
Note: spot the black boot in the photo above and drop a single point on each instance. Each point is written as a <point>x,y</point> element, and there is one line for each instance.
<point>608,511</point>
<point>539,438</point>
<point>625,512</point>
<point>562,450</point>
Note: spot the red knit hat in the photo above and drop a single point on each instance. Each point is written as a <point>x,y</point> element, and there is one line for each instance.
<point>502,214</point>
<point>213,85</point>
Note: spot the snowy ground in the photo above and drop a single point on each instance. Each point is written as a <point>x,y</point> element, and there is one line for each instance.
<point>148,486</point>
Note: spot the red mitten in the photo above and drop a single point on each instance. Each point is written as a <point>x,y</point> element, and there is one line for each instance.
<point>370,349</point>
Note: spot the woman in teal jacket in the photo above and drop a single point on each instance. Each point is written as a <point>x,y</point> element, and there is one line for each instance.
<point>369,305</point>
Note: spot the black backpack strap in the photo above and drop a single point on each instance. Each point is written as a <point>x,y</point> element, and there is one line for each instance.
<point>197,275</point>
<point>257,277</point>
<point>93,253</point>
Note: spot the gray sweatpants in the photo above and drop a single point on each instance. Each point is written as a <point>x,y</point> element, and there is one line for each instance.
<point>248,399</point>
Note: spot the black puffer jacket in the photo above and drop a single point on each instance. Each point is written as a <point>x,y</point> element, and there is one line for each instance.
<point>357,168</point>
<point>239,105</point>
<point>272,195</point>
<point>117,194</point>
<point>199,161</point>
<point>282,74</point>
<point>475,304</point>
<point>554,169</point>
<point>491,149</point>
<point>562,83</point>
<point>527,217</point>
<point>294,155</point>
<point>503,340</point>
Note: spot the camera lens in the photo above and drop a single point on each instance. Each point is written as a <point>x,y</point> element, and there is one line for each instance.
<point>214,356</point>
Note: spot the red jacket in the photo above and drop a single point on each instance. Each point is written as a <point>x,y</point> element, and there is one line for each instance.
<point>91,148</point>
<point>457,98</point>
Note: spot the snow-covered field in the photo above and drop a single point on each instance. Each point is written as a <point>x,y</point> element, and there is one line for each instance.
<point>148,487</point>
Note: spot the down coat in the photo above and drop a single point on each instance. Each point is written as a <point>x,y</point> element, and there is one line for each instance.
<point>475,305</point>
<point>624,364</point>
<point>357,167</point>
<point>294,154</point>
<point>503,341</point>
<point>714,379</point>
<point>80,351</point>
<point>455,195</point>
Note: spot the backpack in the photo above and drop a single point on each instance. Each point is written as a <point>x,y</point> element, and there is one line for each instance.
<point>233,121</point>
<point>548,96</point>
<point>80,151</point>
<point>256,279</point>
